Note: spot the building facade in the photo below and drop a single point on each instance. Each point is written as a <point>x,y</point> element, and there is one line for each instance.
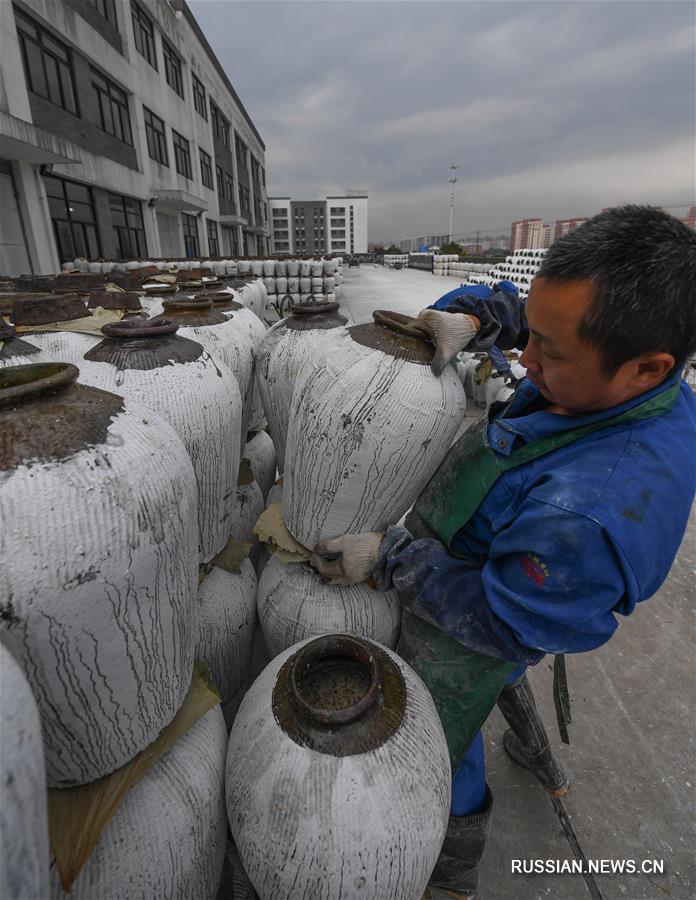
<point>121,137</point>
<point>564,226</point>
<point>529,233</point>
<point>336,224</point>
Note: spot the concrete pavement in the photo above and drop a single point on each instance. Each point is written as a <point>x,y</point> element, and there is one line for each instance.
<point>631,757</point>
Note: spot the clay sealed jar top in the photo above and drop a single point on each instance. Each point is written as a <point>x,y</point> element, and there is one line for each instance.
<point>314,317</point>
<point>129,300</point>
<point>396,335</point>
<point>11,345</point>
<point>143,344</point>
<point>339,695</point>
<point>191,313</point>
<point>222,301</point>
<point>45,415</point>
<point>47,308</point>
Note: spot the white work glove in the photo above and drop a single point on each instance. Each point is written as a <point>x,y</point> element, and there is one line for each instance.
<point>450,332</point>
<point>349,559</point>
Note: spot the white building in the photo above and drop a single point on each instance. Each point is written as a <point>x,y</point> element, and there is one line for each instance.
<point>120,137</point>
<point>332,225</point>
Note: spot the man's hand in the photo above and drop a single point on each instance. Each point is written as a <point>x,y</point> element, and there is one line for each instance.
<point>349,559</point>
<point>450,332</point>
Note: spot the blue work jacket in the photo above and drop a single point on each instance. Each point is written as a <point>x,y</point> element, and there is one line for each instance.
<point>560,545</point>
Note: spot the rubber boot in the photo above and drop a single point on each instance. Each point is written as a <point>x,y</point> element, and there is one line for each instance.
<point>526,741</point>
<point>456,871</point>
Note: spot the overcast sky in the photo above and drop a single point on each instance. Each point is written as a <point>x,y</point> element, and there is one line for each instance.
<point>552,109</point>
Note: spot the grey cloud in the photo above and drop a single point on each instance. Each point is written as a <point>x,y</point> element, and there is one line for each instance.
<point>384,96</point>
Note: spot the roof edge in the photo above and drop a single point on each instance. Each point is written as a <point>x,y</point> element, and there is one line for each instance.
<point>191,19</point>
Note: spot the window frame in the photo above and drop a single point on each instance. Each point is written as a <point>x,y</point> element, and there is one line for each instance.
<point>200,103</point>
<point>172,63</point>
<point>206,162</point>
<point>182,153</point>
<point>220,125</point>
<point>131,239</point>
<point>74,224</point>
<point>144,26</point>
<point>213,237</point>
<point>219,182</point>
<point>103,7</point>
<point>159,137</point>
<point>61,84</point>
<point>230,193</point>
<point>109,93</point>
<point>192,245</point>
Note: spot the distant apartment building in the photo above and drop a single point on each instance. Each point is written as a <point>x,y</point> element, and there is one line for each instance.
<point>564,226</point>
<point>529,233</point>
<point>121,136</point>
<point>690,218</point>
<point>336,224</point>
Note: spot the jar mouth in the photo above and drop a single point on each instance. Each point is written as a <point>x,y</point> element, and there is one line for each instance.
<point>21,383</point>
<point>313,309</point>
<point>139,328</point>
<point>333,680</point>
<point>339,695</point>
<point>196,305</point>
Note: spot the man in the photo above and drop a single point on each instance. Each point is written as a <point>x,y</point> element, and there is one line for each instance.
<point>554,514</point>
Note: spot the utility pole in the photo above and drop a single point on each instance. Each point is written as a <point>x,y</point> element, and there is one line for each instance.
<point>452,180</point>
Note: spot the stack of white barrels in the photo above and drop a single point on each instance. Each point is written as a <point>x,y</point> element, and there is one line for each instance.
<point>304,280</point>
<point>136,462</point>
<point>520,268</point>
<point>450,265</point>
<point>392,259</point>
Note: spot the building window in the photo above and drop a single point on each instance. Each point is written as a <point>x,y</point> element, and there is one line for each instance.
<point>229,188</point>
<point>280,213</point>
<point>213,244</point>
<point>240,152</point>
<point>231,245</point>
<point>47,64</point>
<point>191,245</point>
<point>107,8</point>
<point>206,169</point>
<point>144,33</point>
<point>199,97</point>
<point>74,222</point>
<point>263,176</point>
<point>221,127</point>
<point>113,108</point>
<point>338,245</point>
<point>244,196</point>
<point>219,182</point>
<point>172,68</point>
<point>127,222</point>
<point>338,210</point>
<point>338,223</point>
<point>182,155</point>
<point>156,137</point>
<point>338,234</point>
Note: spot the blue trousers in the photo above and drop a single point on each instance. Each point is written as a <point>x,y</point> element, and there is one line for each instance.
<point>469,781</point>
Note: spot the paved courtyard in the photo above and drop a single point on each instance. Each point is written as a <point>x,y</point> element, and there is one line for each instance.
<point>631,757</point>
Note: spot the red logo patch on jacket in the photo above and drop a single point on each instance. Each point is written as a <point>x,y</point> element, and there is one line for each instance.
<point>535,569</point>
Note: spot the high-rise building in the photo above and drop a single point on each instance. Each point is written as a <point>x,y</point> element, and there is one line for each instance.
<point>529,233</point>
<point>336,224</point>
<point>690,218</point>
<point>564,226</point>
<point>121,136</point>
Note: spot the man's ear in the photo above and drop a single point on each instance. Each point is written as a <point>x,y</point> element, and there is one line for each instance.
<point>651,368</point>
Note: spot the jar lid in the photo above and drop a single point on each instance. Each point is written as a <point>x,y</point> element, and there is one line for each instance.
<point>47,308</point>
<point>396,335</point>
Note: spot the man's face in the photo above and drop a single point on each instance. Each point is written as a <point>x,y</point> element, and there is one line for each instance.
<point>568,370</point>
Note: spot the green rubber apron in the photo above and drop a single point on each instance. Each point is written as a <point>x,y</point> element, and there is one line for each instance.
<point>465,684</point>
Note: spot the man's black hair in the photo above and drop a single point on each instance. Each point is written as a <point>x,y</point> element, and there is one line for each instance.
<point>643,264</point>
